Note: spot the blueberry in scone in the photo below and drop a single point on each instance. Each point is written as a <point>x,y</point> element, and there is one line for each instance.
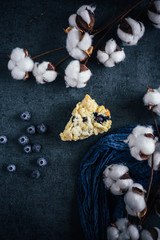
<point>88,118</point>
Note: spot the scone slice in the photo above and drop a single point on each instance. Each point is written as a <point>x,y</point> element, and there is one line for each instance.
<point>87,119</point>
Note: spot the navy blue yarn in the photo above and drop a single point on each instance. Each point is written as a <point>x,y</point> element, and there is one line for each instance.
<point>97,206</point>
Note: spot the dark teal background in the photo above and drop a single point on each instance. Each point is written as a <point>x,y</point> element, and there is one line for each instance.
<point>46,209</point>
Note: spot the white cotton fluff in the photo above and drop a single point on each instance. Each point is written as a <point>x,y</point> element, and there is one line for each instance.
<point>83,11</point>
<point>115,171</point>
<point>113,179</point>
<point>152,98</point>
<point>74,77</point>
<point>76,44</point>
<point>122,230</point>
<point>112,233</point>
<point>154,14</point>
<point>43,74</point>
<point>134,202</point>
<point>122,224</point>
<point>19,64</point>
<point>137,29</point>
<point>146,235</point>
<point>156,162</point>
<point>139,143</point>
<point>111,55</point>
<point>133,232</point>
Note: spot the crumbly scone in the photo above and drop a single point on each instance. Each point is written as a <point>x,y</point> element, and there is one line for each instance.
<point>87,119</point>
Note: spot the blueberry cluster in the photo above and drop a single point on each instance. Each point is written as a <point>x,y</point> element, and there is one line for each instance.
<point>27,146</point>
<point>100,118</point>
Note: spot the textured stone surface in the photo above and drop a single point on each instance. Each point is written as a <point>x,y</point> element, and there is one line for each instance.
<point>46,208</point>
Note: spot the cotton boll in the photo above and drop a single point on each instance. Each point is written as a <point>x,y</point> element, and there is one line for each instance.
<point>44,72</point>
<point>112,233</point>
<point>72,20</point>
<point>17,54</point>
<point>134,199</point>
<point>84,13</point>
<point>154,14</point>
<point>17,74</point>
<point>112,54</point>
<point>141,142</point>
<point>77,75</point>
<point>152,98</point>
<point>122,224</point>
<point>85,18</point>
<point>102,56</point>
<point>133,232</point>
<point>130,31</point>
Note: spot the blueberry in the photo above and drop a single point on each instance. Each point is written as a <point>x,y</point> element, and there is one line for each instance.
<point>3,139</point>
<point>23,140</point>
<point>41,128</point>
<point>35,174</point>
<point>100,118</point>
<point>36,148</point>
<point>85,119</point>
<point>31,129</point>
<point>27,149</point>
<point>11,168</point>
<point>41,162</point>
<point>25,116</point>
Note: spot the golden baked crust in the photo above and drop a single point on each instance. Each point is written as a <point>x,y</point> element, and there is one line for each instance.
<point>87,119</point>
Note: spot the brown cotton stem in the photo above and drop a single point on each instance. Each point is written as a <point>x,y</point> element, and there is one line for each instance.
<point>45,53</point>
<point>149,189</point>
<point>156,125</point>
<point>61,61</point>
<point>117,19</point>
<point>150,183</point>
